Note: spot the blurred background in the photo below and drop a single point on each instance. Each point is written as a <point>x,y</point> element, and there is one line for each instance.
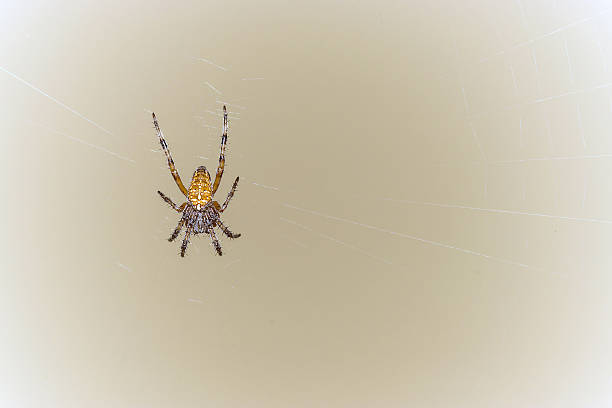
<point>424,201</point>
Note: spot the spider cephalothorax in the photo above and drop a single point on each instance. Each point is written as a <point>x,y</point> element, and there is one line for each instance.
<point>201,214</point>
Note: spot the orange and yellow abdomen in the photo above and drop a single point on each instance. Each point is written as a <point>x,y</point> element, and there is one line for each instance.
<point>200,190</point>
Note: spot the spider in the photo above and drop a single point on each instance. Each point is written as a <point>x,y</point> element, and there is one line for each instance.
<point>200,213</point>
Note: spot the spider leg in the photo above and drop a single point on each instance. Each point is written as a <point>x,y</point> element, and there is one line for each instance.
<point>164,146</point>
<point>226,230</point>
<point>222,154</point>
<point>185,241</point>
<point>169,201</point>
<point>215,241</point>
<point>177,230</point>
<point>230,194</point>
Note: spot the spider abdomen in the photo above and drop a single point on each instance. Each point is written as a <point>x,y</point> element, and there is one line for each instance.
<point>203,220</point>
<point>200,190</point>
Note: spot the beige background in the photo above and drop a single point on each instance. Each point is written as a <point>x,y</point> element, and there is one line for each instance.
<point>425,203</point>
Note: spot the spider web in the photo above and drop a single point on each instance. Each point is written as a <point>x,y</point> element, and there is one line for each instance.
<point>424,194</point>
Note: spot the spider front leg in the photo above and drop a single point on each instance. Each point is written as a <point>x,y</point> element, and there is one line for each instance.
<point>226,230</point>
<point>169,201</point>
<point>221,154</point>
<point>164,146</point>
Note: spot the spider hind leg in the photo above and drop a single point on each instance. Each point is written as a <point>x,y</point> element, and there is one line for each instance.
<point>185,241</point>
<point>215,241</point>
<point>226,230</point>
<point>177,230</point>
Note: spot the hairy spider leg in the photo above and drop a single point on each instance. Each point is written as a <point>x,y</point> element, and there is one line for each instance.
<point>169,201</point>
<point>230,194</point>
<point>164,146</point>
<point>186,240</point>
<point>226,230</point>
<point>177,230</point>
<point>215,241</point>
<point>221,166</point>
